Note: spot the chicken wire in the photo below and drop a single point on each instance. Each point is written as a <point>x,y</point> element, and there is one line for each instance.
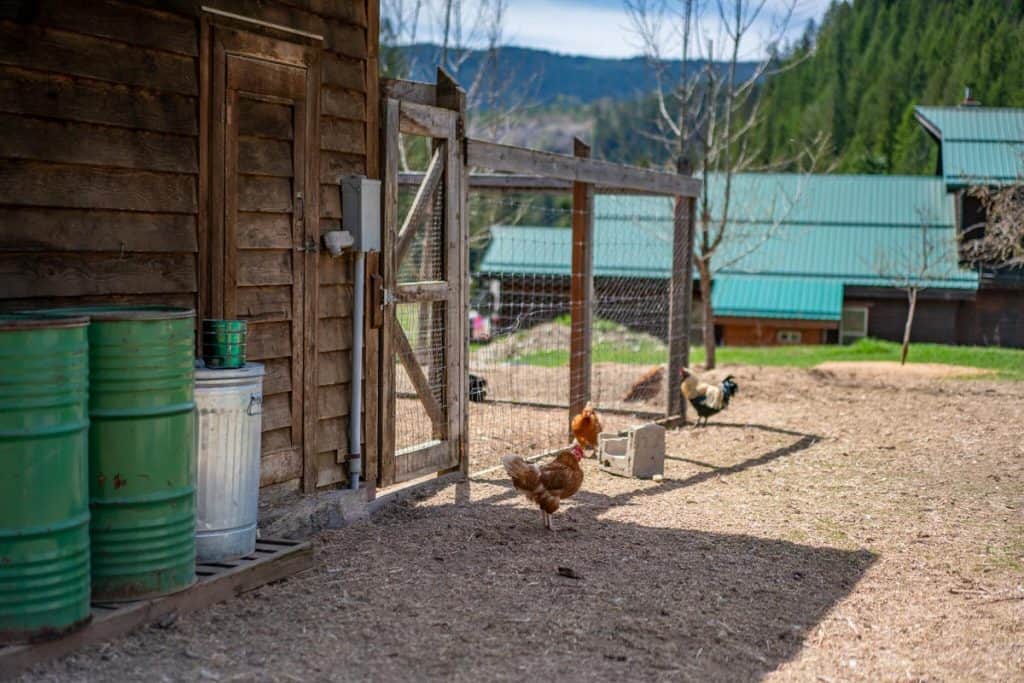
<point>521,326</point>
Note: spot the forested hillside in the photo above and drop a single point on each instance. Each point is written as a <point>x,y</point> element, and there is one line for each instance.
<point>859,77</point>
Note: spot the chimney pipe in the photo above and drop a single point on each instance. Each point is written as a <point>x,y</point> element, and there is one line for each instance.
<point>968,100</point>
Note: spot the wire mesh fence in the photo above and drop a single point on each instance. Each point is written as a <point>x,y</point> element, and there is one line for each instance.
<point>520,319</point>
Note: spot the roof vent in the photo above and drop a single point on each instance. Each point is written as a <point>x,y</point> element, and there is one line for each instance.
<point>968,100</point>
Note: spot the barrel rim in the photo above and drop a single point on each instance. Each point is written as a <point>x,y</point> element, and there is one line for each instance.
<point>116,313</point>
<point>31,321</point>
<point>250,370</point>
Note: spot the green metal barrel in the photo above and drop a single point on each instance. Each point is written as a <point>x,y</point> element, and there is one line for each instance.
<point>141,450</point>
<point>44,503</point>
<point>223,343</point>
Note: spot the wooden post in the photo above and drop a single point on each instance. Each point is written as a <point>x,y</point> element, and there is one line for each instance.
<point>680,298</point>
<point>581,287</point>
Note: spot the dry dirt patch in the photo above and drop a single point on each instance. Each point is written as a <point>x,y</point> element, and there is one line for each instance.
<point>823,528</point>
<point>891,370</point>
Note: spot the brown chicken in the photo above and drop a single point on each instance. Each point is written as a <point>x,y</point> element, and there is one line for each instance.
<point>586,426</point>
<point>550,484</point>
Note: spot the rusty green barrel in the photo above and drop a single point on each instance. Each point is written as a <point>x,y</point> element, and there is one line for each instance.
<point>141,450</point>
<point>44,503</point>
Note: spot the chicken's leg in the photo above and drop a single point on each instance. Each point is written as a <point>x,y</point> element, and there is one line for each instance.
<point>547,522</point>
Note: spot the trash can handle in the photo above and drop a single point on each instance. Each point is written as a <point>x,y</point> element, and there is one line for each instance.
<point>255,405</point>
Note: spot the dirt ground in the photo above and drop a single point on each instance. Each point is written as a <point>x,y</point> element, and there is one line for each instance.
<point>826,527</point>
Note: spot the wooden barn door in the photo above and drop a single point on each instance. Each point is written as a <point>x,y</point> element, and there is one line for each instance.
<point>264,230</point>
<point>425,257</point>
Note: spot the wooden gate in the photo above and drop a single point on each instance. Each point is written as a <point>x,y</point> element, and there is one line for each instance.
<point>425,269</point>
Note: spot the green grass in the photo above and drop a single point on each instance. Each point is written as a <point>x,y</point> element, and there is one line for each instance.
<point>1005,363</point>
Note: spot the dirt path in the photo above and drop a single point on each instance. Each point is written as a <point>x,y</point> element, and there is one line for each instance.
<point>825,528</point>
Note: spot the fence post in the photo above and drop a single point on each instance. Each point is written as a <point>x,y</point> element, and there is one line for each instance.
<point>680,297</point>
<point>581,293</point>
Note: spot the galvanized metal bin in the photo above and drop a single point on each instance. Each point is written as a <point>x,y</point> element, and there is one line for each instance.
<point>142,444</point>
<point>44,489</point>
<point>227,493</point>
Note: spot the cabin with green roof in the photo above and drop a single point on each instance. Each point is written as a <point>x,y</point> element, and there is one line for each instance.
<point>809,258</point>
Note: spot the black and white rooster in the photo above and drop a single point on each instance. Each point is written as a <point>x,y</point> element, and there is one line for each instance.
<point>707,399</point>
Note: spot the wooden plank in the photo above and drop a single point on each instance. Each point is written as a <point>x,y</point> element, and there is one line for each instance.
<point>502,182</point>
<point>408,91</point>
<point>332,433</point>
<point>288,558</point>
<point>457,222</point>
<point>604,174</point>
<point>329,471</point>
<point>120,22</point>
<point>38,229</point>
<point>336,165</point>
<point>679,302</point>
<point>217,119</point>
<point>42,94</point>
<point>258,268</point>
<point>343,72</point>
<point>422,292</point>
<point>422,204</point>
<point>33,183</point>
<point>335,271</point>
<point>335,334</point>
<point>432,122</point>
<point>262,156</point>
<point>204,307</point>
<point>332,401</point>
<point>335,367</point>
<point>330,201</point>
<point>180,300</point>
<point>420,460</point>
<point>349,12</point>
<point>335,301</point>
<point>264,231</point>
<point>263,194</point>
<point>83,143</point>
<point>343,104</point>
<point>408,359</point>
<point>267,78</point>
<point>78,274</point>
<point>342,135</point>
<point>310,165</point>
<point>389,228</point>
<point>581,296</point>
<point>276,439</point>
<point>260,119</point>
<point>277,377</point>
<point>371,329</point>
<point>266,304</point>
<point>277,411</point>
<point>75,54</point>
<point>280,466</point>
<point>269,340</point>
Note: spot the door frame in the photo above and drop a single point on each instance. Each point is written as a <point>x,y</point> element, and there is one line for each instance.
<point>447,450</point>
<point>219,37</point>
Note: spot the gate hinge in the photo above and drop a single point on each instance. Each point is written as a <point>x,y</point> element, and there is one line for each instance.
<point>389,297</point>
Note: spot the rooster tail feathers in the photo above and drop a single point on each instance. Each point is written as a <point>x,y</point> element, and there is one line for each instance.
<point>729,389</point>
<point>524,475</point>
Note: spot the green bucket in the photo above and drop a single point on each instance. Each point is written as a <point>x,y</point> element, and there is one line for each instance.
<point>223,343</point>
<point>44,489</point>
<point>142,445</point>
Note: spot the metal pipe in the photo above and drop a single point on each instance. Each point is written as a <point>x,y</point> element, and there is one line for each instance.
<point>355,417</point>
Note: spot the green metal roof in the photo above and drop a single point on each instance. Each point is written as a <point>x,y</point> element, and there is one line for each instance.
<point>794,241</point>
<point>979,145</point>
<point>755,296</point>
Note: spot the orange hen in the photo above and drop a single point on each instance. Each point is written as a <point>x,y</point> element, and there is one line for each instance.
<point>586,426</point>
<point>547,485</point>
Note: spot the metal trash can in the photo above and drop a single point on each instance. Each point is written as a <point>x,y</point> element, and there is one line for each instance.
<point>230,403</point>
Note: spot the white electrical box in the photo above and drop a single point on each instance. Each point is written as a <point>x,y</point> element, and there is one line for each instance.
<point>360,210</point>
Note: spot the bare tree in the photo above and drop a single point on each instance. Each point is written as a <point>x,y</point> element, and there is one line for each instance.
<point>998,241</point>
<point>707,115</point>
<point>912,266</point>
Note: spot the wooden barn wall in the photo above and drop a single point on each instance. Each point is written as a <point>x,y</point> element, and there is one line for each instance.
<point>934,321</point>
<point>994,318</point>
<point>99,164</point>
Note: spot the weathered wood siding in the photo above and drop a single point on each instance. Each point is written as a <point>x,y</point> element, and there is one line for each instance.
<point>100,166</point>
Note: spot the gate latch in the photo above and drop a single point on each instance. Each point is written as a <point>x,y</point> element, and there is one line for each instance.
<point>389,297</point>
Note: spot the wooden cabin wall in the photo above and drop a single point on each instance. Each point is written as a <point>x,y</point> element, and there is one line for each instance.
<point>99,166</point>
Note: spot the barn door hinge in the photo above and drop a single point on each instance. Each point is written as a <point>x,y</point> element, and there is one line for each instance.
<point>310,246</point>
<point>389,297</point>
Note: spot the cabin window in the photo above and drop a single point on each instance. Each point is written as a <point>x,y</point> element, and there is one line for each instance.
<point>854,324</point>
<point>789,336</point>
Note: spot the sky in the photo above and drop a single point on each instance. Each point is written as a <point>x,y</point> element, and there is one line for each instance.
<point>601,28</point>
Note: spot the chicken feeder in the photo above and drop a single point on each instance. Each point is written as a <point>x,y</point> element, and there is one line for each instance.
<point>640,454</point>
<point>228,464</point>
<point>44,488</point>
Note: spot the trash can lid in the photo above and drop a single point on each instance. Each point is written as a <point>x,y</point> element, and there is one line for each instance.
<point>247,371</point>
